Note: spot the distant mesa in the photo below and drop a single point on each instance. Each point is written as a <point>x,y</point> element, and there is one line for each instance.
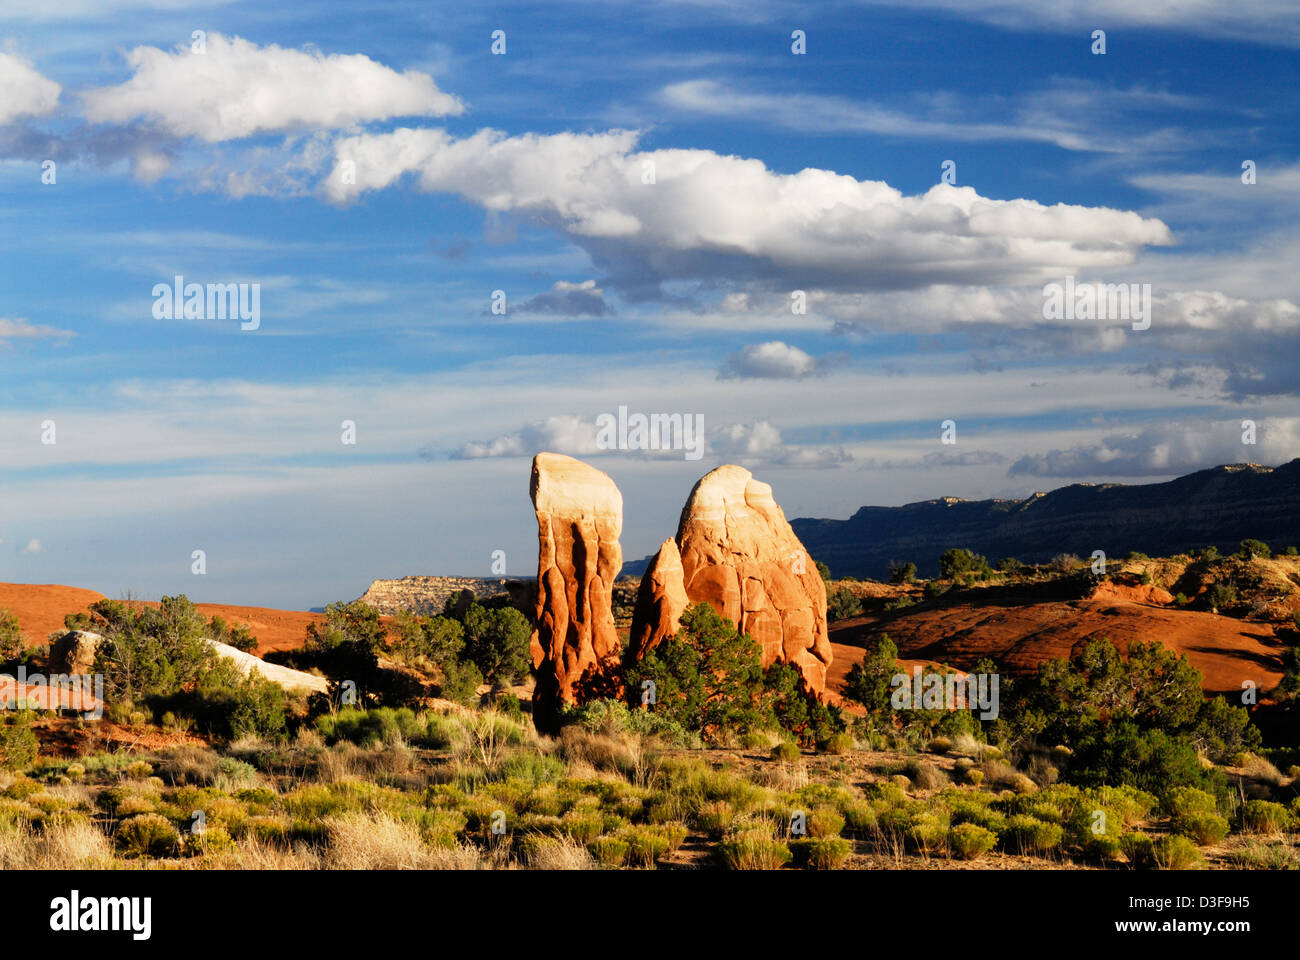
<point>1219,507</point>
<point>428,596</point>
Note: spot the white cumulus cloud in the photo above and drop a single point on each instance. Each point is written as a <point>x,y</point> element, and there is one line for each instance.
<point>759,443</point>
<point>236,89</point>
<point>774,360</point>
<point>569,299</point>
<point>563,434</point>
<point>702,215</point>
<point>23,91</point>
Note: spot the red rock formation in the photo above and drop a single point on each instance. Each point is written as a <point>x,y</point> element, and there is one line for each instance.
<point>737,552</point>
<point>660,600</point>
<point>575,646</point>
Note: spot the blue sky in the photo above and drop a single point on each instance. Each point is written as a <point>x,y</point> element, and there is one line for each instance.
<point>379,172</point>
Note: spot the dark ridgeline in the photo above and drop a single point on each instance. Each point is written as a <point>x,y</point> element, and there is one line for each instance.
<point>1220,507</point>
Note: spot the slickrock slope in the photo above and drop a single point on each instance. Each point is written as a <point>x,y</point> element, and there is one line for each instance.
<point>738,553</point>
<point>575,644</point>
<point>74,652</point>
<point>285,677</point>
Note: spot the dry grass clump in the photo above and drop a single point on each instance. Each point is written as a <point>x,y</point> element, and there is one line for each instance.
<point>71,795</point>
<point>488,735</point>
<point>72,844</point>
<point>999,773</point>
<point>965,745</point>
<point>715,817</point>
<point>1257,768</point>
<point>187,765</point>
<point>610,752</point>
<point>926,776</point>
<point>1257,855</point>
<point>782,776</point>
<point>386,762</point>
<point>375,841</point>
<point>256,854</point>
<point>1022,784</point>
<point>540,852</point>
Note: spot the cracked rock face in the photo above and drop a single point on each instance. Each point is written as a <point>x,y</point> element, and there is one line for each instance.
<point>735,550</point>
<point>575,645</point>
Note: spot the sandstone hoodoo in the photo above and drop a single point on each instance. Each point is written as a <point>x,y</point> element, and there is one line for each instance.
<point>575,645</point>
<point>736,551</point>
<point>660,600</point>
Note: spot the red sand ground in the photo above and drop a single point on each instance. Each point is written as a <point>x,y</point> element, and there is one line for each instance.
<point>274,629</point>
<point>40,610</point>
<point>47,696</point>
<point>1020,636</point>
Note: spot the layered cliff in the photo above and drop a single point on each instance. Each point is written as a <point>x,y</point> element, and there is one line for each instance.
<point>428,595</point>
<point>1219,507</point>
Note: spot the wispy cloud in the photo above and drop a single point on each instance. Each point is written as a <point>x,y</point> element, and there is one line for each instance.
<point>1169,449</point>
<point>19,329</point>
<point>1270,22</point>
